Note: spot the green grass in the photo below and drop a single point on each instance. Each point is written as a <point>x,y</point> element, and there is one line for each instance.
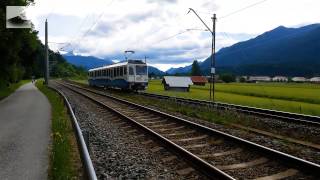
<point>6,91</point>
<point>64,158</point>
<point>298,98</point>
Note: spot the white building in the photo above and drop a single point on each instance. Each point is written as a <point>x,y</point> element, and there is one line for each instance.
<point>280,79</point>
<point>299,79</point>
<point>315,80</point>
<point>177,83</point>
<point>259,79</point>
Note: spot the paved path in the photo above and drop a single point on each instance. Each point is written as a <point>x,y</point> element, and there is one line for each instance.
<point>24,134</point>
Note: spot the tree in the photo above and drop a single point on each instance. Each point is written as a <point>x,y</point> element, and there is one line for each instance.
<point>242,79</point>
<point>227,78</point>
<point>22,53</point>
<point>195,71</point>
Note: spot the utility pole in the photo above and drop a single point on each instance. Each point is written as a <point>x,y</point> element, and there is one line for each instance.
<point>213,54</point>
<point>145,59</point>
<point>213,49</point>
<point>46,76</point>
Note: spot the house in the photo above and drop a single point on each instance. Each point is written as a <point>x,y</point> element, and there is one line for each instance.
<point>259,79</point>
<point>280,79</point>
<point>315,80</point>
<point>299,79</point>
<point>199,80</point>
<point>177,83</point>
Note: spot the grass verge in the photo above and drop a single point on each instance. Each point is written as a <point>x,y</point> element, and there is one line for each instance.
<point>64,156</point>
<point>6,91</point>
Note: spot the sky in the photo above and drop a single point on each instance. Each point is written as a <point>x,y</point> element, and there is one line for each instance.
<point>162,30</point>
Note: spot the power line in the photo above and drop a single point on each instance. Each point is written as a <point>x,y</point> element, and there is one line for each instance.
<point>242,9</point>
<point>91,27</point>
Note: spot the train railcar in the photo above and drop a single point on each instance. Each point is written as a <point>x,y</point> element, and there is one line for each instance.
<point>130,75</point>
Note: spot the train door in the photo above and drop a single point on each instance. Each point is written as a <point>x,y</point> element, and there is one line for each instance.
<point>131,73</point>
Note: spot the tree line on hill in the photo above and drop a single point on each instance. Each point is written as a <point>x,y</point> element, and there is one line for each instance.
<point>196,71</point>
<point>22,53</point>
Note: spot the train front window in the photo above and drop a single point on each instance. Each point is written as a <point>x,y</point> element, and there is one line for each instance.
<point>141,70</point>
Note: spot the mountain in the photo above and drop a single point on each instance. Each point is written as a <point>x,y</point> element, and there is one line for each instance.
<point>88,62</point>
<point>180,70</point>
<point>155,71</point>
<point>281,51</point>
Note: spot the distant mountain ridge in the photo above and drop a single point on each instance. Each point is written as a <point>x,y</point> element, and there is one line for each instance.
<point>281,51</point>
<point>89,62</point>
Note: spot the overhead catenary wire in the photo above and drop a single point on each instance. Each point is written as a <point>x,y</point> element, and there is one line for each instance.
<point>91,27</point>
<point>242,9</point>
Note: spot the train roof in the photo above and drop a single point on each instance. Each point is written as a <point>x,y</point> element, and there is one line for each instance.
<point>119,64</point>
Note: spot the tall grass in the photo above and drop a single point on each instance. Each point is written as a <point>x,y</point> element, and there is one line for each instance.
<point>64,157</point>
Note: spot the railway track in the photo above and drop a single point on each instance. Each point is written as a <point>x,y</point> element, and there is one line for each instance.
<point>212,152</point>
<point>267,113</point>
<point>286,116</point>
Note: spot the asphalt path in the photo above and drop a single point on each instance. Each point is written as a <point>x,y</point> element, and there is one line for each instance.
<point>24,134</point>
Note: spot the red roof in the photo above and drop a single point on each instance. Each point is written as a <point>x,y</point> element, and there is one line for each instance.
<point>198,79</point>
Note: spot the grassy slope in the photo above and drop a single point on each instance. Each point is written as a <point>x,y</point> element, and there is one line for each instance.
<point>64,157</point>
<point>4,92</point>
<point>299,98</point>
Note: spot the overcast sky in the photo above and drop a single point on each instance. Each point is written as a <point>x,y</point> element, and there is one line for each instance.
<point>106,28</point>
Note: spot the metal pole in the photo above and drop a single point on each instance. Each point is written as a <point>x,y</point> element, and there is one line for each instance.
<point>213,48</point>
<point>46,55</point>
<point>213,55</point>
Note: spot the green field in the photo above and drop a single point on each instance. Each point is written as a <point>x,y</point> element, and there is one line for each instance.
<point>292,97</point>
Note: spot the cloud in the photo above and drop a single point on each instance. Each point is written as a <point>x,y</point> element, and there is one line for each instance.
<point>162,1</point>
<point>157,28</point>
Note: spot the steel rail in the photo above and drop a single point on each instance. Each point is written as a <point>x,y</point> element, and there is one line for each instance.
<point>84,153</point>
<point>303,165</point>
<point>268,113</point>
<point>198,163</point>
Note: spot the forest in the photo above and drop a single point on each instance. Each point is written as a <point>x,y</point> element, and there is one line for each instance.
<point>22,53</point>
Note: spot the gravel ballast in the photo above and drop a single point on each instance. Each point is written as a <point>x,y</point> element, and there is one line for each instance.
<point>119,150</point>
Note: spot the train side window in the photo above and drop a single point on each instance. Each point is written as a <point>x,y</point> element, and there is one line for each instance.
<point>125,70</point>
<point>121,71</point>
<point>105,72</point>
<point>131,72</point>
<point>114,72</point>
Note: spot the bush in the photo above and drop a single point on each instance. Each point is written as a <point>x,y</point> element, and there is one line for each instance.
<point>227,78</point>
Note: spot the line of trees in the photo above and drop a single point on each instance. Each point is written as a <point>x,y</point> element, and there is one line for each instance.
<point>22,53</point>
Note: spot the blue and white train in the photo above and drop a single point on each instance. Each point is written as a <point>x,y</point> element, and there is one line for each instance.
<point>129,75</point>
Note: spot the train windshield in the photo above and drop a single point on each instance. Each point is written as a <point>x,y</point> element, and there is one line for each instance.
<point>141,70</point>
